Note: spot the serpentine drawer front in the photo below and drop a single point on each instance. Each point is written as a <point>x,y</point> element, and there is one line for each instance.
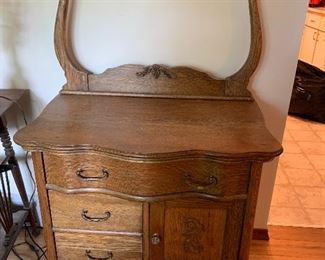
<point>102,204</point>
<point>94,212</point>
<point>100,247</point>
<point>149,162</point>
<point>91,181</point>
<point>84,170</point>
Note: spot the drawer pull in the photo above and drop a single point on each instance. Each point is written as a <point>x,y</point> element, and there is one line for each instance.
<point>108,257</point>
<point>155,239</point>
<point>201,185</point>
<point>104,175</point>
<point>106,216</point>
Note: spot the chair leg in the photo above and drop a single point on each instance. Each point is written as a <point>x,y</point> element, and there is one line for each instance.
<point>12,160</point>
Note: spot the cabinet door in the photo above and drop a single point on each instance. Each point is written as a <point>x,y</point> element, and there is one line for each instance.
<point>195,229</point>
<point>319,55</point>
<point>308,44</point>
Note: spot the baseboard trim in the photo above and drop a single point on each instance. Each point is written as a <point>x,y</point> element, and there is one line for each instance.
<point>261,234</point>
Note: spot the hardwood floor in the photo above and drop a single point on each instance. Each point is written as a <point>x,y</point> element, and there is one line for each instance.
<point>290,243</point>
<point>286,243</point>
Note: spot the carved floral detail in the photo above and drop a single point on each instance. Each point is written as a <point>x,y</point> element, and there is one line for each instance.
<point>192,233</point>
<point>156,70</point>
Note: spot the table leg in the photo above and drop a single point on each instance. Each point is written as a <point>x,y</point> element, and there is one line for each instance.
<point>12,160</point>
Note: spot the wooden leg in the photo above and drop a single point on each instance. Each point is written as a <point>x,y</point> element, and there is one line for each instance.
<point>250,210</point>
<point>12,160</point>
<point>44,203</point>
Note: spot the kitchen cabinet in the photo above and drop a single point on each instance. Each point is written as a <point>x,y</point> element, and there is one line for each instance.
<point>312,49</point>
<point>319,54</point>
<point>308,45</point>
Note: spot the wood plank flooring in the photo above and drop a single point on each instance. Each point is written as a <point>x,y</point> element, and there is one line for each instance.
<point>291,243</point>
<point>286,243</point>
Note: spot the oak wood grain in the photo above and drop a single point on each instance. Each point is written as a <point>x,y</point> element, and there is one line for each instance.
<point>146,231</point>
<point>73,246</point>
<point>146,198</point>
<point>236,85</point>
<point>187,82</point>
<point>156,227</point>
<point>44,204</point>
<point>162,150</point>
<point>148,179</point>
<point>212,233</point>
<point>194,233</point>
<point>73,253</point>
<point>285,243</point>
<point>76,75</point>
<point>234,230</point>
<point>147,128</point>
<point>248,224</point>
<point>123,80</point>
<point>123,215</point>
<point>98,232</point>
<point>147,147</point>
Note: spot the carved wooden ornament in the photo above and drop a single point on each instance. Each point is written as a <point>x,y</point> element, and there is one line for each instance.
<point>192,233</point>
<point>155,80</point>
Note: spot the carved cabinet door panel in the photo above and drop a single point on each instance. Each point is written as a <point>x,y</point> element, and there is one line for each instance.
<point>195,229</point>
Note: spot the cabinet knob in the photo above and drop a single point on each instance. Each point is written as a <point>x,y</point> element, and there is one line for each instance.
<point>155,239</point>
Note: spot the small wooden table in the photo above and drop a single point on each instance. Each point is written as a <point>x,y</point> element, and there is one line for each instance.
<point>8,98</point>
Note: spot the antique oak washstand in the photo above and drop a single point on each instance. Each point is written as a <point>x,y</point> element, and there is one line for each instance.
<point>128,167</point>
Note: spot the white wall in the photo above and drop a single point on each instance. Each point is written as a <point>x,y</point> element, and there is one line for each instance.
<point>272,85</point>
<point>211,35</point>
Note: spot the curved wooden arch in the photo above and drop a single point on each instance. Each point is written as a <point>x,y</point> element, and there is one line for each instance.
<point>237,83</point>
<point>156,80</point>
<point>76,75</point>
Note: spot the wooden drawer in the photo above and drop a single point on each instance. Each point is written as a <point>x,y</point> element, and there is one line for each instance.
<point>94,212</point>
<point>71,246</point>
<point>313,20</point>
<point>147,179</point>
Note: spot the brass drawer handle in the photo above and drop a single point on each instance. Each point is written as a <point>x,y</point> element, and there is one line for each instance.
<point>201,185</point>
<point>106,216</point>
<point>108,257</point>
<point>104,175</point>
